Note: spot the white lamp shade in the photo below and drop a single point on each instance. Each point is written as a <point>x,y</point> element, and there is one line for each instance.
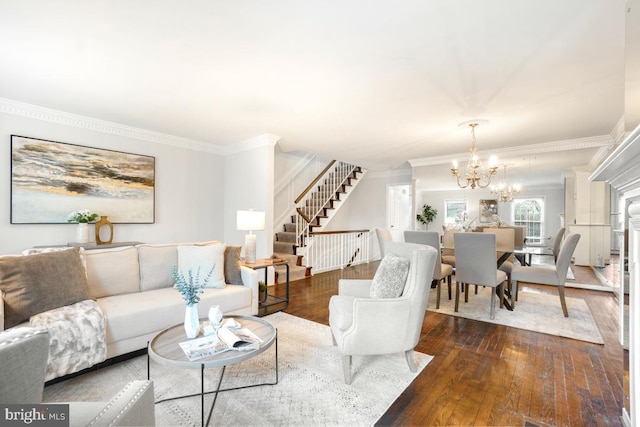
<point>250,220</point>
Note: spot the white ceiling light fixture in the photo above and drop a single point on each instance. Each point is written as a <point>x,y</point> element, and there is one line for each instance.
<point>504,190</point>
<point>475,174</point>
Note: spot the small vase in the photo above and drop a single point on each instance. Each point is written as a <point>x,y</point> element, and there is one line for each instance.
<point>215,315</point>
<point>82,233</point>
<point>104,222</point>
<point>191,321</point>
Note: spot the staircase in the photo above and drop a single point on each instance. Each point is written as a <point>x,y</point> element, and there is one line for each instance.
<point>314,210</point>
<point>285,247</point>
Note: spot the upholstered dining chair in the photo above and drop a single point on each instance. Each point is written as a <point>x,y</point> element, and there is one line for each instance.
<point>24,352</point>
<point>448,247</point>
<point>441,271</point>
<point>555,275</point>
<point>384,315</point>
<point>557,243</point>
<point>384,236</point>
<point>476,265</point>
<point>505,242</point>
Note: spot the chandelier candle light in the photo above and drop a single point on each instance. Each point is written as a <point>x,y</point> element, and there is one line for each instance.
<point>504,191</point>
<point>250,221</point>
<point>475,175</point>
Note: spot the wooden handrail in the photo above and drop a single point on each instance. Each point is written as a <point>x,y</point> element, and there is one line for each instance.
<point>338,232</point>
<point>303,215</point>
<point>315,181</point>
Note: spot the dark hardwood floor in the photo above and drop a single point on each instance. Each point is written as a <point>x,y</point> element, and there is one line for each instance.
<point>486,374</point>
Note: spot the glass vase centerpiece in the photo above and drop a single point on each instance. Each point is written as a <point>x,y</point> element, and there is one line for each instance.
<point>190,287</point>
<point>83,217</point>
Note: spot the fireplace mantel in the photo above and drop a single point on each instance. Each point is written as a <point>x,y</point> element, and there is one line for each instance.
<point>622,170</point>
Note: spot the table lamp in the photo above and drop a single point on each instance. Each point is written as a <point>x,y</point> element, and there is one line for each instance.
<point>250,220</point>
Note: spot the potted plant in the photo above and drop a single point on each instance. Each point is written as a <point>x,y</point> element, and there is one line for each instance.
<point>83,217</point>
<point>427,216</point>
<point>262,291</point>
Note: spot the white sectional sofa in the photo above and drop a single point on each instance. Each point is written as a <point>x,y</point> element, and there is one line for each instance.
<point>132,287</point>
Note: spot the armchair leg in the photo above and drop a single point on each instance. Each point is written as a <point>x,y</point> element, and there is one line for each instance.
<point>562,301</point>
<point>437,283</point>
<point>449,284</point>
<point>346,369</point>
<point>457,297</point>
<point>411,361</point>
<point>333,338</point>
<point>501,295</point>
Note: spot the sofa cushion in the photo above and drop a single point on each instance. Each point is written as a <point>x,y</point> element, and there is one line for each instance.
<point>202,260</point>
<point>112,271</point>
<point>390,277</point>
<point>35,283</point>
<point>155,266</point>
<point>142,313</point>
<point>232,265</point>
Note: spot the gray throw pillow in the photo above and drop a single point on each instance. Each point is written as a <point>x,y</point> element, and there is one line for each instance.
<point>33,284</point>
<point>389,280</point>
<point>232,264</point>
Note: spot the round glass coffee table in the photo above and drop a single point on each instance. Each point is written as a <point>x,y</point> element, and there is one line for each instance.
<point>165,349</point>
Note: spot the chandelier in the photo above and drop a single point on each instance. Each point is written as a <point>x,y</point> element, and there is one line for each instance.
<point>474,175</point>
<point>504,191</point>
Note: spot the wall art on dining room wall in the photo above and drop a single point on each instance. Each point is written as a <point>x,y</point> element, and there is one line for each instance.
<point>488,208</point>
<point>49,180</point>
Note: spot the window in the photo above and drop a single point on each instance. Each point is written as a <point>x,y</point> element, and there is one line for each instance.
<point>529,213</point>
<point>455,211</point>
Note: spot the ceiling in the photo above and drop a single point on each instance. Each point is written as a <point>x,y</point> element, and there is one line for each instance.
<point>378,83</point>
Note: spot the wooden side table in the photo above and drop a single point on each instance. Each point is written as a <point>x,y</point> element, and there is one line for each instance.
<point>273,303</point>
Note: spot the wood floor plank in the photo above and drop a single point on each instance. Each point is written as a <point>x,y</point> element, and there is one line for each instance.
<point>486,374</point>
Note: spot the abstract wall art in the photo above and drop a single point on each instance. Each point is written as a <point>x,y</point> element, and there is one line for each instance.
<point>51,179</point>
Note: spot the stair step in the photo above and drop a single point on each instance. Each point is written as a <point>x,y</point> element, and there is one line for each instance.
<point>296,271</point>
<point>286,236</point>
<point>284,248</point>
<point>290,228</point>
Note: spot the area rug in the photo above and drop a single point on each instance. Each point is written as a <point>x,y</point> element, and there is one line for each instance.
<point>311,389</point>
<point>533,311</point>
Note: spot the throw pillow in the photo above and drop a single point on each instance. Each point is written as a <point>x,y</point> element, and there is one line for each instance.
<point>203,259</point>
<point>389,280</point>
<point>232,264</point>
<point>36,283</point>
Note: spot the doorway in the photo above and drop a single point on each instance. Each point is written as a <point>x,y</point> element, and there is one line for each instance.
<point>399,211</point>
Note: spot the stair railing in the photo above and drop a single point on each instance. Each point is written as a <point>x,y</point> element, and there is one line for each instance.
<point>311,202</point>
<point>288,186</point>
<point>330,250</point>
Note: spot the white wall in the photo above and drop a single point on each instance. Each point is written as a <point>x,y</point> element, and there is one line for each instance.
<point>189,189</point>
<point>249,183</point>
<point>366,207</point>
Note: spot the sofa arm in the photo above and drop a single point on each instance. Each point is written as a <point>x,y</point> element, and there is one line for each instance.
<point>134,405</point>
<point>250,280</point>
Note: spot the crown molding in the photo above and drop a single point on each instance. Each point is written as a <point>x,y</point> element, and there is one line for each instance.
<point>30,111</point>
<point>393,173</point>
<point>264,140</point>
<point>523,150</point>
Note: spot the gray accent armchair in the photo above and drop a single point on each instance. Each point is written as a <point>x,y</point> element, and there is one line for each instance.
<point>23,356</point>
<point>361,325</point>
